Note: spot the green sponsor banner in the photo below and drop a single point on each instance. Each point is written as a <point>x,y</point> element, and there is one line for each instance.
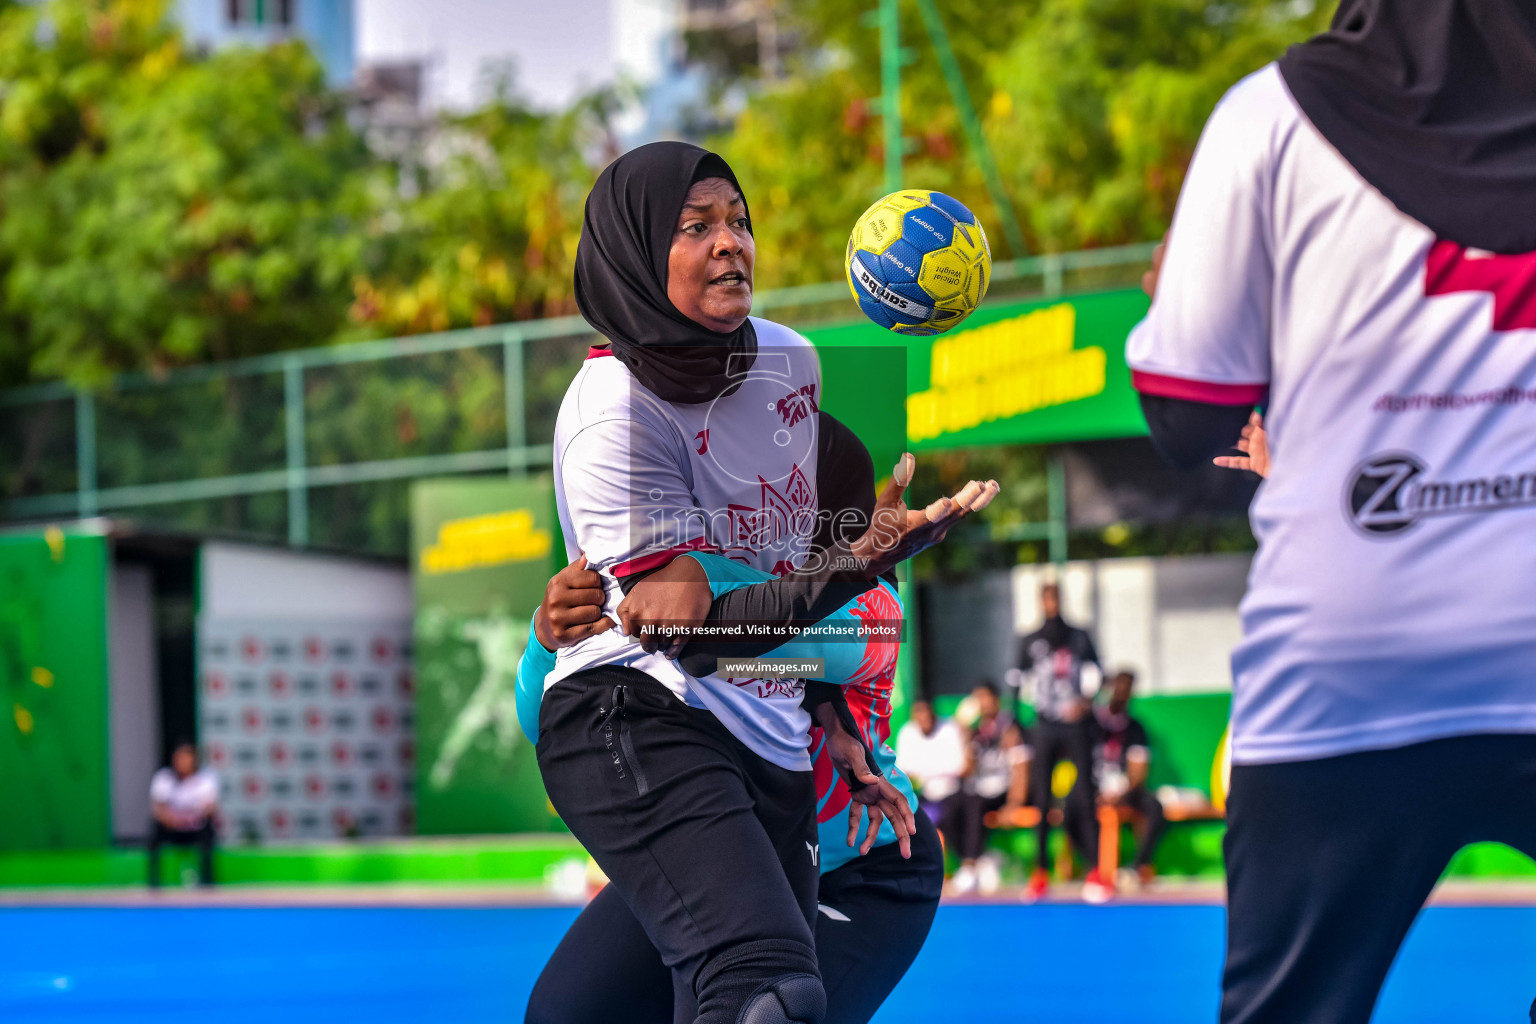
<point>1037,372</point>
<point>481,552</point>
<point>865,387</point>
<point>53,691</point>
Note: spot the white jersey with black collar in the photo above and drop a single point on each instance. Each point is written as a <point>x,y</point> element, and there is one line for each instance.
<point>638,480</point>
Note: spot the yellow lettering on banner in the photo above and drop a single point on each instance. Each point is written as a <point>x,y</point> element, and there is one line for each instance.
<point>480,541</point>
<point>1005,369</point>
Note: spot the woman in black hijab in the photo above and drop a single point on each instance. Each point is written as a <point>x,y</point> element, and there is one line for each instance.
<point>1431,101</point>
<point>693,792</point>
<point>877,906</point>
<point>628,291</point>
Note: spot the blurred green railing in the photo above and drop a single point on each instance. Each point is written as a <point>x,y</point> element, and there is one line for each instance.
<point>319,445</point>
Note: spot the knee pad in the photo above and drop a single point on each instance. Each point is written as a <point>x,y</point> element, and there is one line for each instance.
<point>770,981</point>
<point>795,999</point>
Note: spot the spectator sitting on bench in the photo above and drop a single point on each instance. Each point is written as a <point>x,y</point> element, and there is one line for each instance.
<point>1121,757</point>
<point>932,753</point>
<point>996,759</point>
<point>184,799</point>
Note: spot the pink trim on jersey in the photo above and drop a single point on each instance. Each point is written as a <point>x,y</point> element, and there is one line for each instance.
<point>1197,390</point>
<point>597,353</point>
<point>660,558</point>
<point>1510,279</point>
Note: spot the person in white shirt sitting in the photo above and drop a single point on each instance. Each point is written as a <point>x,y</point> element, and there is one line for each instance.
<point>184,800</point>
<point>932,753</point>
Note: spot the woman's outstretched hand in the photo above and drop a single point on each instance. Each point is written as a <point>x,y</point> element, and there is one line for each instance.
<point>1254,444</point>
<point>896,532</point>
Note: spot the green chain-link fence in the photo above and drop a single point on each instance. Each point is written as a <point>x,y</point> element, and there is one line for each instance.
<point>318,446</point>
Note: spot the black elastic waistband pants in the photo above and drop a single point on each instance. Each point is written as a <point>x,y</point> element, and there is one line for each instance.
<point>875,913</point>
<point>711,847</point>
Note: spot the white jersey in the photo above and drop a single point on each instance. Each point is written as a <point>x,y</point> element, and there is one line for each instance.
<point>934,761</point>
<point>1393,598</point>
<point>638,480</point>
<point>192,797</point>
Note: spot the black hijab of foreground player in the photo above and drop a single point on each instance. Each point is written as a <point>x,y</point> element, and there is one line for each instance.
<point>621,275</point>
<point>1434,103</point>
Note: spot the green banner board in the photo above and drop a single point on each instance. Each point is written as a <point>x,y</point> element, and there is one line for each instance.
<point>1038,372</point>
<point>53,691</point>
<point>482,550</point>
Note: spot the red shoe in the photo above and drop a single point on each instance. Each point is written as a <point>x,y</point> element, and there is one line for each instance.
<point>1039,881</point>
<point>1096,889</point>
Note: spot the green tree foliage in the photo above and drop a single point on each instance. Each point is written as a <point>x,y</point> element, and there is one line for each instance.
<point>811,147</point>
<point>492,234</point>
<point>1092,108</point>
<point>161,209</point>
<point>1097,104</point>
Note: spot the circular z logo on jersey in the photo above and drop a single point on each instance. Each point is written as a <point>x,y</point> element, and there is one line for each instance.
<point>1374,499</point>
<point>1389,493</point>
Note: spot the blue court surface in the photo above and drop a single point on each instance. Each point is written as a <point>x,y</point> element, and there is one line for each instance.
<point>1061,964</point>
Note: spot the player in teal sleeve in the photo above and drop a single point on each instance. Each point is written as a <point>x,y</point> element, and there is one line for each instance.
<point>538,661</point>
<point>864,667</point>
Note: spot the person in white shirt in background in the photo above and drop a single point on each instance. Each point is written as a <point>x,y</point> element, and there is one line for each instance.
<point>932,753</point>
<point>184,800</point>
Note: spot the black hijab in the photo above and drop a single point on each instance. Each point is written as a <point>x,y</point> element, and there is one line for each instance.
<point>845,486</point>
<point>1434,103</point>
<point>621,275</point>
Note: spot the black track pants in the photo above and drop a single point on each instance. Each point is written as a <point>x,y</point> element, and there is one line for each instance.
<point>964,823</point>
<point>1329,861</point>
<point>875,914</point>
<point>202,838</point>
<point>1154,822</point>
<point>710,846</point>
<point>1065,741</point>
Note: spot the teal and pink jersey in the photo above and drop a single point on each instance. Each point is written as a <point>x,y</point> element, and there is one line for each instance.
<point>859,654</point>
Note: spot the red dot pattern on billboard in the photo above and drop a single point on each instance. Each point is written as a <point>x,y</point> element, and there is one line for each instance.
<point>310,727</point>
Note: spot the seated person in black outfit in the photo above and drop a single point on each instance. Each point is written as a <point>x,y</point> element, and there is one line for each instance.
<point>995,764</point>
<point>1121,757</point>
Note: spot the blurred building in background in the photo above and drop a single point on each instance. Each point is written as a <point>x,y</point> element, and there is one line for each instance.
<point>681,61</point>
<point>328,26</point>
<point>677,60</point>
<point>691,57</point>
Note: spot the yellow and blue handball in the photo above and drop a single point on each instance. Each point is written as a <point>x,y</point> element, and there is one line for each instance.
<point>918,262</point>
